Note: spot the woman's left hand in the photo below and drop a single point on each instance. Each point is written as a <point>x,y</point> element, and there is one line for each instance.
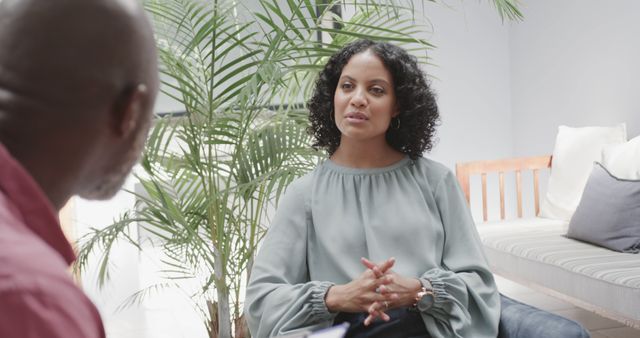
<point>405,288</point>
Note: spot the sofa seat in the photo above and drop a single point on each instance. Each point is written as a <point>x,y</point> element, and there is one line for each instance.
<point>536,251</point>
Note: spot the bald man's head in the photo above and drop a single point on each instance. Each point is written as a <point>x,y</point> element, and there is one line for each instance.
<point>80,75</point>
<point>73,53</point>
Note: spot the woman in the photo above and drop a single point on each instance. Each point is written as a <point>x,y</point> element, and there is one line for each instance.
<point>374,200</point>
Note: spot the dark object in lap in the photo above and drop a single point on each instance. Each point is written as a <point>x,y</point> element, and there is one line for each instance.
<point>404,323</point>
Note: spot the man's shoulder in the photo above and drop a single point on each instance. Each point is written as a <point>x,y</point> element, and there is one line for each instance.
<point>58,310</point>
<point>29,266</point>
<point>37,294</point>
<point>27,260</point>
<point>36,289</point>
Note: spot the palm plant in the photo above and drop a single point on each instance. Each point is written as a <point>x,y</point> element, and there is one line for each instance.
<point>210,175</point>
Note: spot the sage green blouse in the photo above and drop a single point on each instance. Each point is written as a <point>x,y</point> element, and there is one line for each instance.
<point>412,210</point>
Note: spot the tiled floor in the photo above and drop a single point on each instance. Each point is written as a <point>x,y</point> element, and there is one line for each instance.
<point>599,327</point>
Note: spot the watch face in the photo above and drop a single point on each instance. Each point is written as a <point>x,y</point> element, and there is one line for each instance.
<point>425,302</point>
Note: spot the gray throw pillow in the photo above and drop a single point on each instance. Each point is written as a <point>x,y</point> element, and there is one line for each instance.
<point>609,212</point>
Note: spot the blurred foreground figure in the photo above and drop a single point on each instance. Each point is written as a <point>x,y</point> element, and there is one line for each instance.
<point>78,79</point>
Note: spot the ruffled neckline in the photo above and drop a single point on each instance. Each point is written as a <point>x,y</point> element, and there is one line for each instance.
<point>329,164</point>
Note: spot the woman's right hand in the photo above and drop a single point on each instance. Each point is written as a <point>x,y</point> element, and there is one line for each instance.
<point>360,293</point>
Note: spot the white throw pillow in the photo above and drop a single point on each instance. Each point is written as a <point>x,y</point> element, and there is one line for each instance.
<point>575,151</point>
<point>623,160</point>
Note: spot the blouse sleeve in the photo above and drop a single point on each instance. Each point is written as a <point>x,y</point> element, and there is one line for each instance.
<point>280,298</point>
<point>466,301</point>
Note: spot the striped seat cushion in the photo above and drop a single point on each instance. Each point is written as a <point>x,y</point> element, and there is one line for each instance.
<point>538,251</point>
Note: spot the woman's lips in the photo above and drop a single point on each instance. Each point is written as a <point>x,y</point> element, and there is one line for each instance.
<point>356,117</point>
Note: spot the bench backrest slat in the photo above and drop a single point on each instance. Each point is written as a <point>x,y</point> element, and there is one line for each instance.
<point>464,171</point>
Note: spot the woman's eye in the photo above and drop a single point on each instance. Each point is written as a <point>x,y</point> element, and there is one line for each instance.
<point>346,85</point>
<point>377,91</point>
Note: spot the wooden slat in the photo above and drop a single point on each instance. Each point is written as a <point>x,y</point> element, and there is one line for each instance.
<point>463,179</point>
<point>519,192</point>
<point>66,215</point>
<point>484,197</point>
<point>507,165</point>
<point>465,170</point>
<point>501,195</point>
<point>536,193</point>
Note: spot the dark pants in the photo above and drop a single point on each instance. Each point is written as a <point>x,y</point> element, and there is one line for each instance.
<point>404,323</point>
<point>517,320</point>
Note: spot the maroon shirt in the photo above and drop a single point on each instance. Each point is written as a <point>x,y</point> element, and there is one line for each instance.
<point>37,295</point>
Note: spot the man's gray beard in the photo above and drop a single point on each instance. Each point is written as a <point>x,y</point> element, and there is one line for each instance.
<point>110,184</point>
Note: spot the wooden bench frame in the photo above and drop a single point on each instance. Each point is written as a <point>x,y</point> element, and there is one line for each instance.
<point>517,165</point>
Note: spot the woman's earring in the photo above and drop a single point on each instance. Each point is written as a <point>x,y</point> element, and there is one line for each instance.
<point>397,124</point>
<point>331,117</point>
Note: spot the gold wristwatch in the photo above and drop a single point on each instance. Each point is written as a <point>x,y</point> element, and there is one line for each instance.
<point>424,297</point>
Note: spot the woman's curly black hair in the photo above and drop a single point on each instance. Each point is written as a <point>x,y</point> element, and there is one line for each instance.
<point>411,132</point>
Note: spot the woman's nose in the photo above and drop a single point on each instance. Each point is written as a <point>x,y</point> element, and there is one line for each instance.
<point>359,99</point>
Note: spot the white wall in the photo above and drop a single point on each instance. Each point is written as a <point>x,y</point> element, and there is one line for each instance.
<point>165,314</point>
<point>504,89</point>
<point>573,62</point>
<point>471,78</point>
<point>125,278</point>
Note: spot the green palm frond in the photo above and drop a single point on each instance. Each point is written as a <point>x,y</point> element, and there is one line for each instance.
<point>508,9</point>
<point>138,297</point>
<point>101,241</point>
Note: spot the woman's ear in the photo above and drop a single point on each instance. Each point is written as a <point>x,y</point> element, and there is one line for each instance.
<point>395,112</point>
<point>128,110</point>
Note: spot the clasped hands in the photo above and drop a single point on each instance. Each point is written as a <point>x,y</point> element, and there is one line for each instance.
<point>375,291</point>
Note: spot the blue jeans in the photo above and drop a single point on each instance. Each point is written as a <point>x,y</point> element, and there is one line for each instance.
<point>518,320</point>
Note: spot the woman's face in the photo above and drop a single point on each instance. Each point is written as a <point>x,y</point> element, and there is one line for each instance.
<point>364,101</point>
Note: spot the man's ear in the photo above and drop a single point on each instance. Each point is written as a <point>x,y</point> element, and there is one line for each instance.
<point>128,109</point>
